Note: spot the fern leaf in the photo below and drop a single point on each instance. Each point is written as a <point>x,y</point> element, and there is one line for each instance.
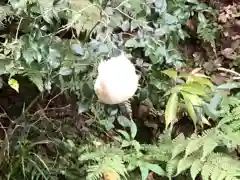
<point>194,144</point>
<point>196,168</point>
<point>171,167</point>
<point>206,171</point>
<point>208,146</point>
<point>179,145</point>
<point>215,173</point>
<point>185,163</point>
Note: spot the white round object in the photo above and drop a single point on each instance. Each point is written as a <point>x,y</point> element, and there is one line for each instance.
<point>117,80</point>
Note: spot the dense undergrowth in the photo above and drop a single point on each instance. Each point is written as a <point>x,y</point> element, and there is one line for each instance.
<point>183,122</point>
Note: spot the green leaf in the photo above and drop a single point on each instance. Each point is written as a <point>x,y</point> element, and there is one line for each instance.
<point>133,129</point>
<point>161,5</point>
<point>170,19</point>
<point>131,43</point>
<point>215,173</point>
<point>124,134</point>
<point>124,122</point>
<point>171,109</point>
<point>82,107</point>
<point>202,80</point>
<point>125,25</point>
<point>206,171</point>
<point>77,49</point>
<point>193,146</point>
<point>195,168</point>
<point>3,63</point>
<point>190,108</point>
<point>87,92</point>
<point>201,18</point>
<point>65,71</point>
<point>228,86</point>
<point>54,58</point>
<point>178,148</point>
<point>194,99</point>
<point>184,164</point>
<point>155,168</point>
<point>193,1</point>
<point>29,55</point>
<point>144,172</point>
<point>171,73</point>
<point>194,88</point>
<point>171,167</point>
<point>13,84</point>
<point>209,145</point>
<point>36,78</point>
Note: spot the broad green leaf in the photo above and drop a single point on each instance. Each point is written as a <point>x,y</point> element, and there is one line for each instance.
<point>124,122</point>
<point>194,88</point>
<point>13,84</point>
<point>228,86</point>
<point>155,168</point>
<point>200,80</point>
<point>3,63</point>
<point>201,17</point>
<point>161,5</point>
<point>193,1</point>
<point>85,14</point>
<point>77,49</point>
<point>161,31</point>
<point>124,134</point>
<point>144,172</point>
<point>215,100</point>
<point>161,51</point>
<point>195,168</point>
<point>54,58</point>
<point>211,111</point>
<point>194,99</point>
<point>133,129</point>
<point>65,71</point>
<point>131,43</point>
<point>87,92</point>
<point>125,25</point>
<point>171,109</point>
<point>171,73</point>
<point>170,19</point>
<point>36,78</point>
<point>189,107</point>
<point>82,107</point>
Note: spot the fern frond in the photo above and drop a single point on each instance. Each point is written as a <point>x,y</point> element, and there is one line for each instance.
<point>104,159</point>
